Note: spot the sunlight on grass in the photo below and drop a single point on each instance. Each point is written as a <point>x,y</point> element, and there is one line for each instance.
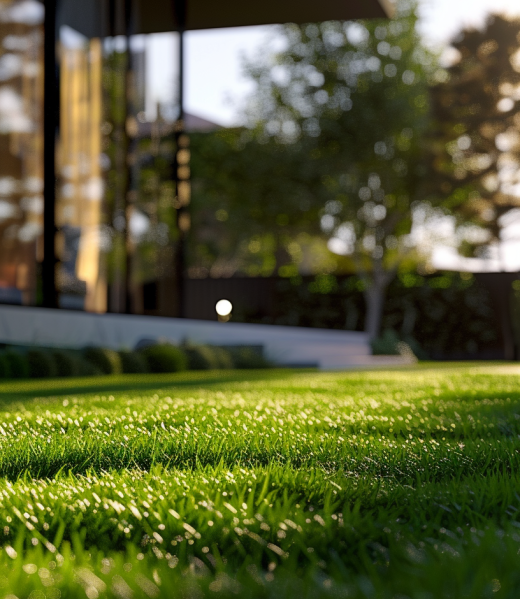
<point>379,483</point>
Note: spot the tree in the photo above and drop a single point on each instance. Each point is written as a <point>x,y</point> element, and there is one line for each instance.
<point>353,97</point>
<point>476,142</point>
<point>253,200</point>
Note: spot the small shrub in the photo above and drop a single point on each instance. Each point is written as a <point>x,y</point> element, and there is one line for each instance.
<point>67,363</point>
<point>86,368</point>
<point>165,358</point>
<point>249,357</point>
<point>5,371</point>
<point>201,357</point>
<point>416,348</point>
<point>133,362</point>
<point>389,344</point>
<point>41,364</point>
<point>18,364</point>
<point>224,358</point>
<point>386,344</point>
<point>106,361</point>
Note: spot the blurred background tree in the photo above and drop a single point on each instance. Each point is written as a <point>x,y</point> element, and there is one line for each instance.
<point>254,205</point>
<point>333,156</point>
<point>476,144</point>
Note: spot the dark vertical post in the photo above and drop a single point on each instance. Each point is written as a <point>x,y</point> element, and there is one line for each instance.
<point>51,113</point>
<point>120,22</point>
<point>181,16</point>
<point>181,168</point>
<point>129,147</point>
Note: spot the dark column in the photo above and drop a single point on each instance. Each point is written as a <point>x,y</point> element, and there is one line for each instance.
<point>51,114</point>
<point>129,147</point>
<point>120,22</point>
<point>181,170</point>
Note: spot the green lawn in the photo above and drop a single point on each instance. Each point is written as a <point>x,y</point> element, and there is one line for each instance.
<point>278,484</point>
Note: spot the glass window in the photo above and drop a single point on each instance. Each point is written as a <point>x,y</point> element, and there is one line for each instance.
<point>21,145</point>
<point>115,209</point>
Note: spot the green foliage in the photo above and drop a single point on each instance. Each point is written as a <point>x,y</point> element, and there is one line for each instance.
<point>67,363</point>
<point>106,361</point>
<point>201,357</point>
<point>17,363</point>
<point>165,358</point>
<point>390,344</point>
<point>204,357</point>
<point>223,357</point>
<point>386,344</point>
<point>399,481</point>
<point>328,91</point>
<point>449,314</point>
<point>446,315</point>
<point>249,357</point>
<point>335,152</point>
<point>133,362</point>
<point>320,159</point>
<point>5,371</point>
<point>477,111</point>
<point>250,201</point>
<point>41,364</point>
<point>86,368</point>
<point>514,303</point>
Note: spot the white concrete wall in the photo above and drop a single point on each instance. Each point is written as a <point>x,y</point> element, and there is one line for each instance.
<point>284,345</point>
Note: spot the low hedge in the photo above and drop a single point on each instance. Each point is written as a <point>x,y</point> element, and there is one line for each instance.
<point>18,365</point>
<point>106,361</point>
<point>223,358</point>
<point>133,362</point>
<point>38,362</point>
<point>200,357</point>
<point>41,364</point>
<point>165,358</point>
<point>5,370</point>
<point>67,363</point>
<point>249,357</point>
<point>208,357</point>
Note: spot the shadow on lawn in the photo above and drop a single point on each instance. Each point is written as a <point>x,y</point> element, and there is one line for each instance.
<point>15,391</point>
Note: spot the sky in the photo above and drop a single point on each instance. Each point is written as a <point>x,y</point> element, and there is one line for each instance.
<point>216,88</point>
<point>215,84</point>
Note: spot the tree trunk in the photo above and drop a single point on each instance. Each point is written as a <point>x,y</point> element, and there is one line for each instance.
<point>374,299</point>
<point>376,281</point>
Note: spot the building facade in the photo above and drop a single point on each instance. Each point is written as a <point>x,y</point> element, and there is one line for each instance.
<point>115,145</point>
<point>94,157</point>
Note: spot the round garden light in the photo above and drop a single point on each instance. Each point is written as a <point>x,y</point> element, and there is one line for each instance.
<point>224,308</point>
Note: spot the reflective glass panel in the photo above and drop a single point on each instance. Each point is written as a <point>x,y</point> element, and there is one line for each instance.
<point>115,200</point>
<point>21,145</point>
